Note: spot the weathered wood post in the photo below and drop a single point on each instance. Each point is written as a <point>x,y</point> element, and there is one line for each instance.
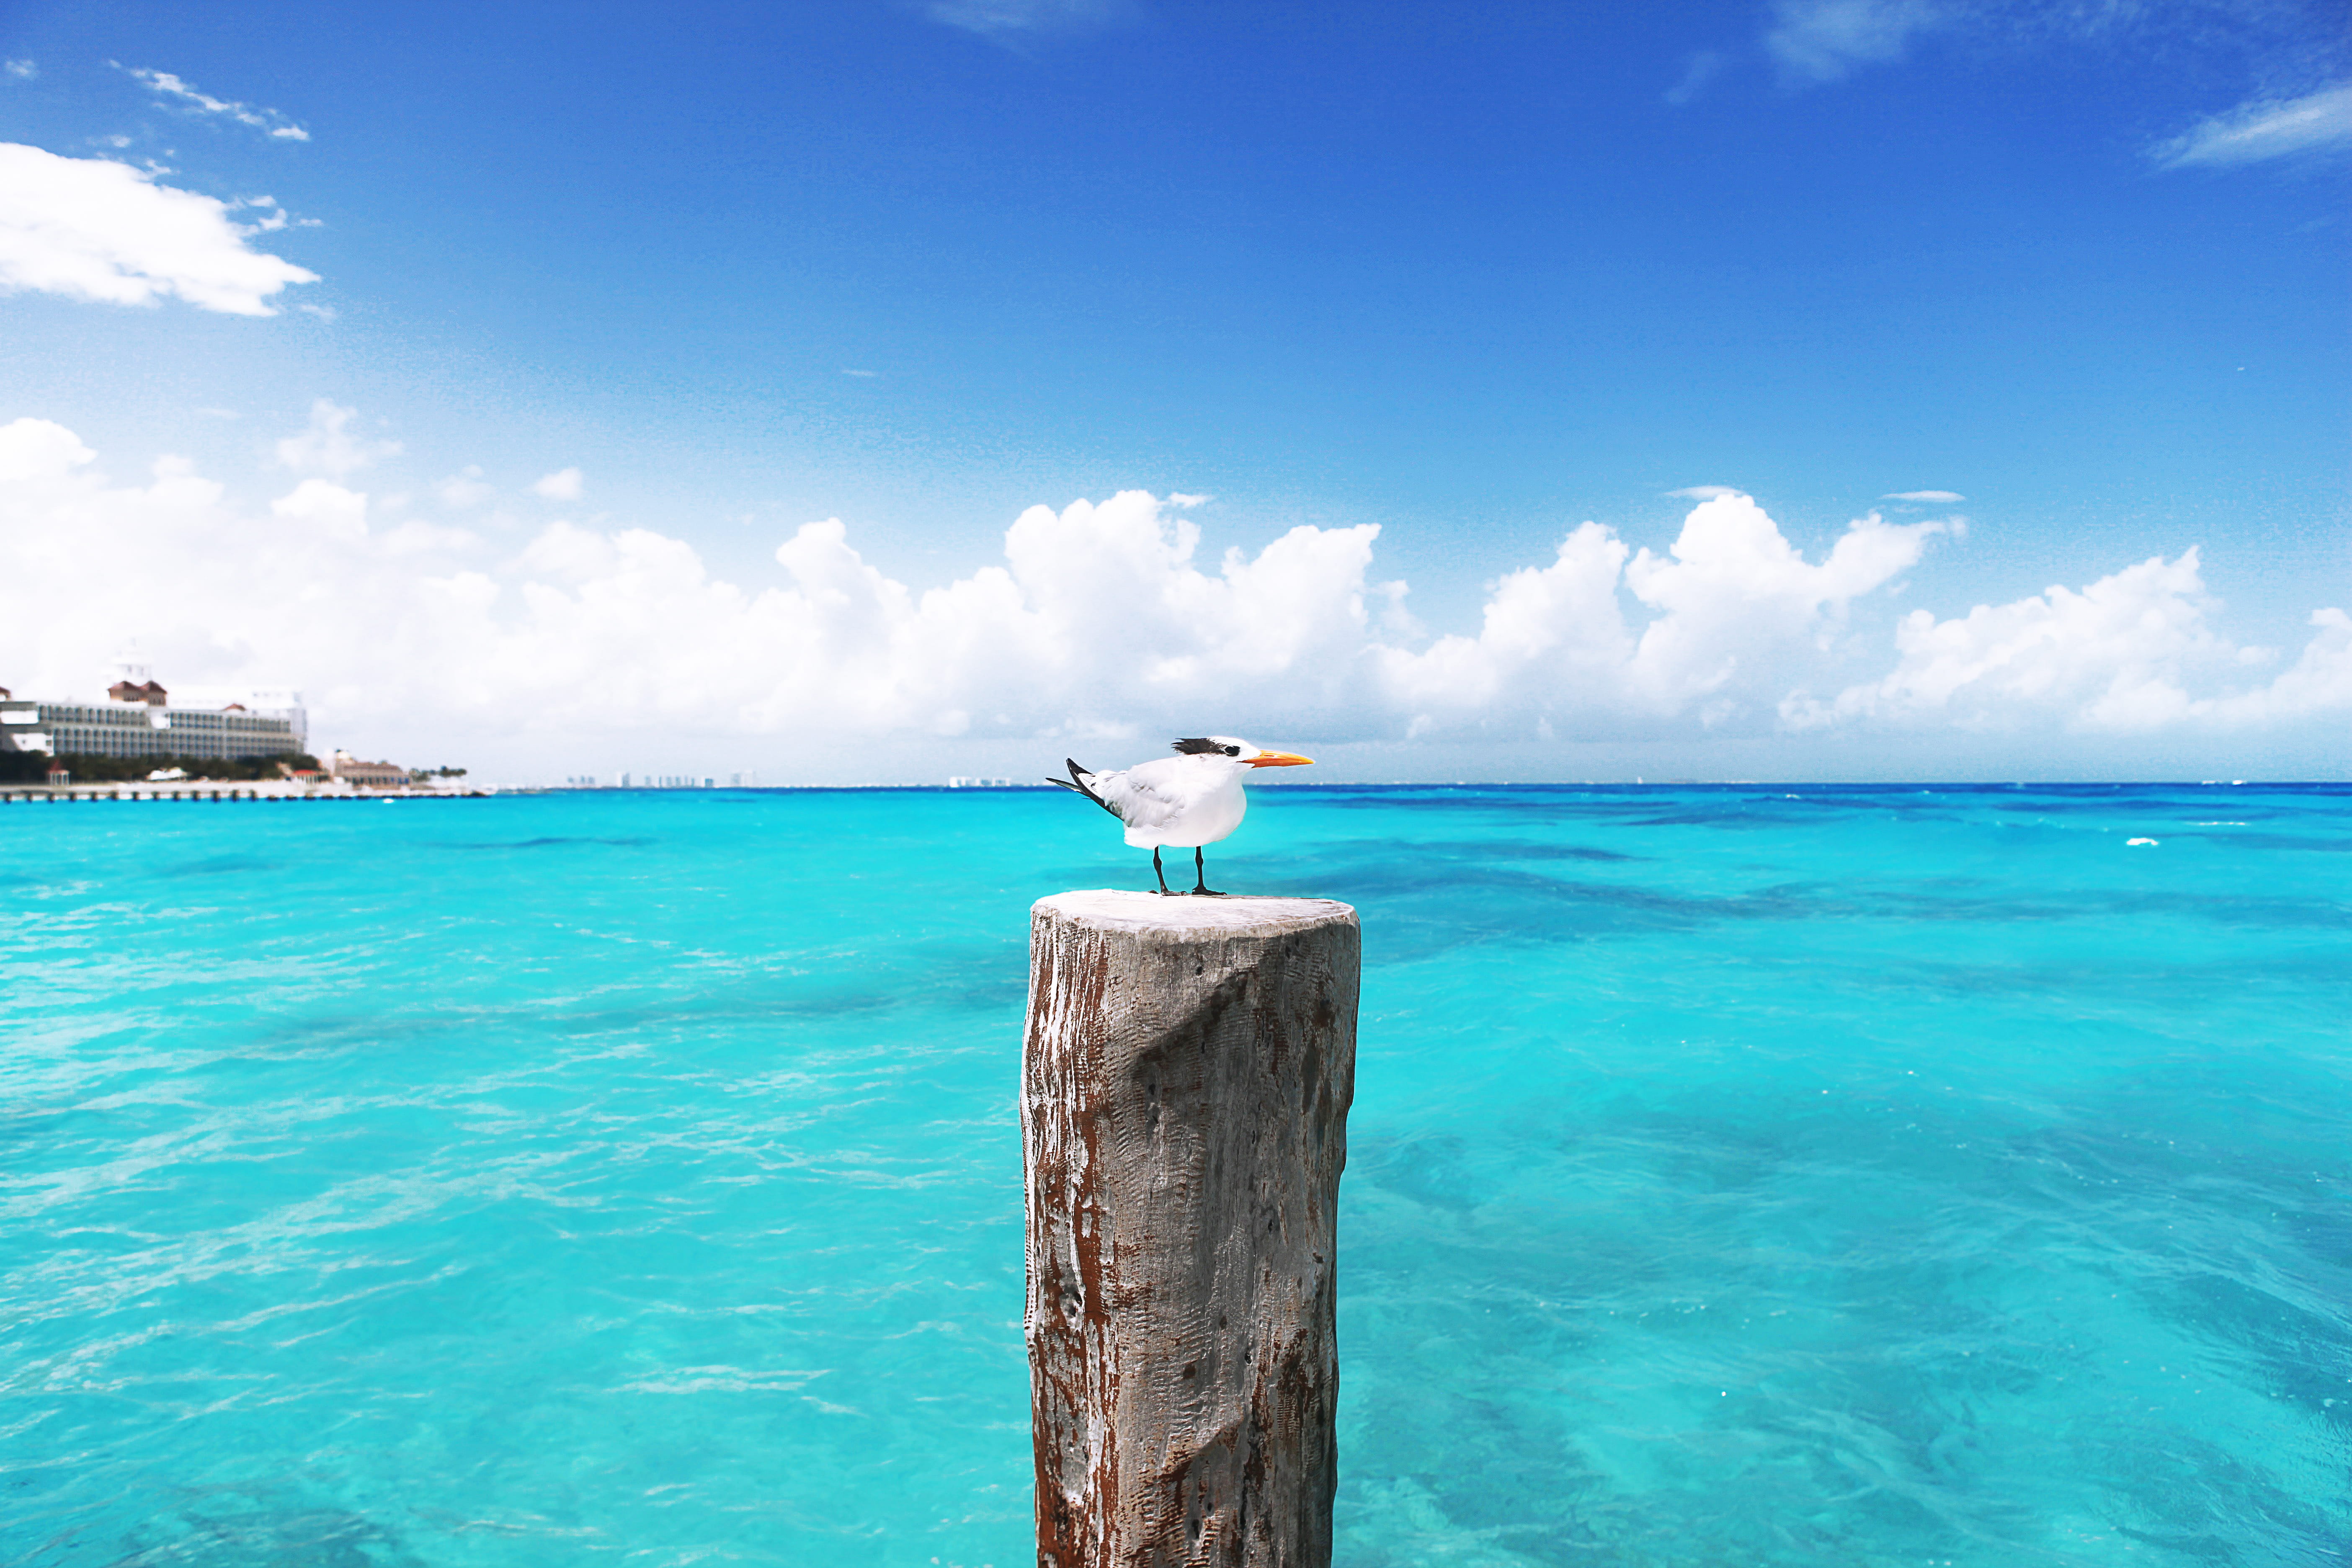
<point>1185,1084</point>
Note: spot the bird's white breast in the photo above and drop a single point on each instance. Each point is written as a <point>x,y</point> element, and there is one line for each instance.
<point>1179,803</point>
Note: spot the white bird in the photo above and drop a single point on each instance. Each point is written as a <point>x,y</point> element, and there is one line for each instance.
<point>1181,802</point>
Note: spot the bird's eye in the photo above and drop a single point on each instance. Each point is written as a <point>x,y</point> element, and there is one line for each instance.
<point>1233,751</point>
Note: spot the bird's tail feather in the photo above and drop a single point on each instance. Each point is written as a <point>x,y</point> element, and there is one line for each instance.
<point>1078,781</point>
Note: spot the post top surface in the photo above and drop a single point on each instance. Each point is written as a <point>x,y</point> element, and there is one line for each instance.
<point>1187,915</point>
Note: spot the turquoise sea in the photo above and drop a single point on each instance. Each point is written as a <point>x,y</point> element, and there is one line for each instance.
<point>1738,1175</point>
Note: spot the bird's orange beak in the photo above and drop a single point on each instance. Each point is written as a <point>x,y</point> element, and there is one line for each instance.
<point>1281,760</point>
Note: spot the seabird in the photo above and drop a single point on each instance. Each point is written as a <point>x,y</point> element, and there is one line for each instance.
<point>1184,801</point>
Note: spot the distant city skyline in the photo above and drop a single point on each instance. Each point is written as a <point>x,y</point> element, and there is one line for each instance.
<point>891,391</point>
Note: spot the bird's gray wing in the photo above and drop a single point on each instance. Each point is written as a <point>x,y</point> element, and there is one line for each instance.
<point>1140,799</point>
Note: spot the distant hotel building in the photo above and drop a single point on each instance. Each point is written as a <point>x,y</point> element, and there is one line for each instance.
<point>366,775</point>
<point>139,719</point>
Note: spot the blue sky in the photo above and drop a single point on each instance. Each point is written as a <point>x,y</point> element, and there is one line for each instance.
<point>1472,275</point>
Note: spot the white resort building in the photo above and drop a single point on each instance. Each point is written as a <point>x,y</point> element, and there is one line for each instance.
<point>138,718</point>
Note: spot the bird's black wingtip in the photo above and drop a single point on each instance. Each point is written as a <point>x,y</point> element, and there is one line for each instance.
<point>1077,780</point>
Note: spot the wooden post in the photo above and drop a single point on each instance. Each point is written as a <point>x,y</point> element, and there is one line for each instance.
<point>1185,1084</point>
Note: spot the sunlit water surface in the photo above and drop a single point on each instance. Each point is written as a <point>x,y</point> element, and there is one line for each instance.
<point>1772,1175</point>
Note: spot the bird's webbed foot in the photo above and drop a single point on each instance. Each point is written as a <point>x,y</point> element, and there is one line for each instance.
<point>1201,888</point>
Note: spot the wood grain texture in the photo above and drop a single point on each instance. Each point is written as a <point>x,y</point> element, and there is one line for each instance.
<point>1186,1077</point>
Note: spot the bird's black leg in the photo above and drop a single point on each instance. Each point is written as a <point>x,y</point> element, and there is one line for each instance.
<point>1201,877</point>
<point>1165,890</point>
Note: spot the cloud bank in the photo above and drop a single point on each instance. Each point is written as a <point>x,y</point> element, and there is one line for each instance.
<point>1100,619</point>
<point>90,228</point>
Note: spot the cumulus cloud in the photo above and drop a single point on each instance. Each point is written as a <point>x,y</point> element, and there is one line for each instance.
<point>1733,602</point>
<point>2134,653</point>
<point>463,489</point>
<point>171,89</point>
<point>325,509</point>
<point>2253,132</point>
<point>326,445</point>
<point>90,228</point>
<point>562,485</point>
<point>1098,619</point>
<point>33,451</point>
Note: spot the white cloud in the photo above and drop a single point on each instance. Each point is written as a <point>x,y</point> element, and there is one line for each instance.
<point>1822,41</point>
<point>1933,497</point>
<point>862,375</point>
<point>562,485</point>
<point>463,489</point>
<point>999,17</point>
<point>326,446</point>
<point>19,70</point>
<point>325,507</point>
<point>33,450</point>
<point>2319,682</point>
<point>273,216</point>
<point>2127,655</point>
<point>90,228</point>
<point>1704,492</point>
<point>1098,619</point>
<point>1698,70</point>
<point>1816,41</point>
<point>2316,122</point>
<point>1737,609</point>
<point>1186,502</point>
<point>164,85</point>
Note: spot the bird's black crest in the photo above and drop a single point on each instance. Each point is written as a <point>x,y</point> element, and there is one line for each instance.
<point>1197,745</point>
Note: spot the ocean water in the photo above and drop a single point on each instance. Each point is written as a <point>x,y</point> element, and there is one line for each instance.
<point>1738,1175</point>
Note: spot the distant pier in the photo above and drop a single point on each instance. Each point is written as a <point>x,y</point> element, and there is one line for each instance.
<point>35,795</point>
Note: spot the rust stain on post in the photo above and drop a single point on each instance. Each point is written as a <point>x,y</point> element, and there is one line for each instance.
<point>1186,1077</point>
